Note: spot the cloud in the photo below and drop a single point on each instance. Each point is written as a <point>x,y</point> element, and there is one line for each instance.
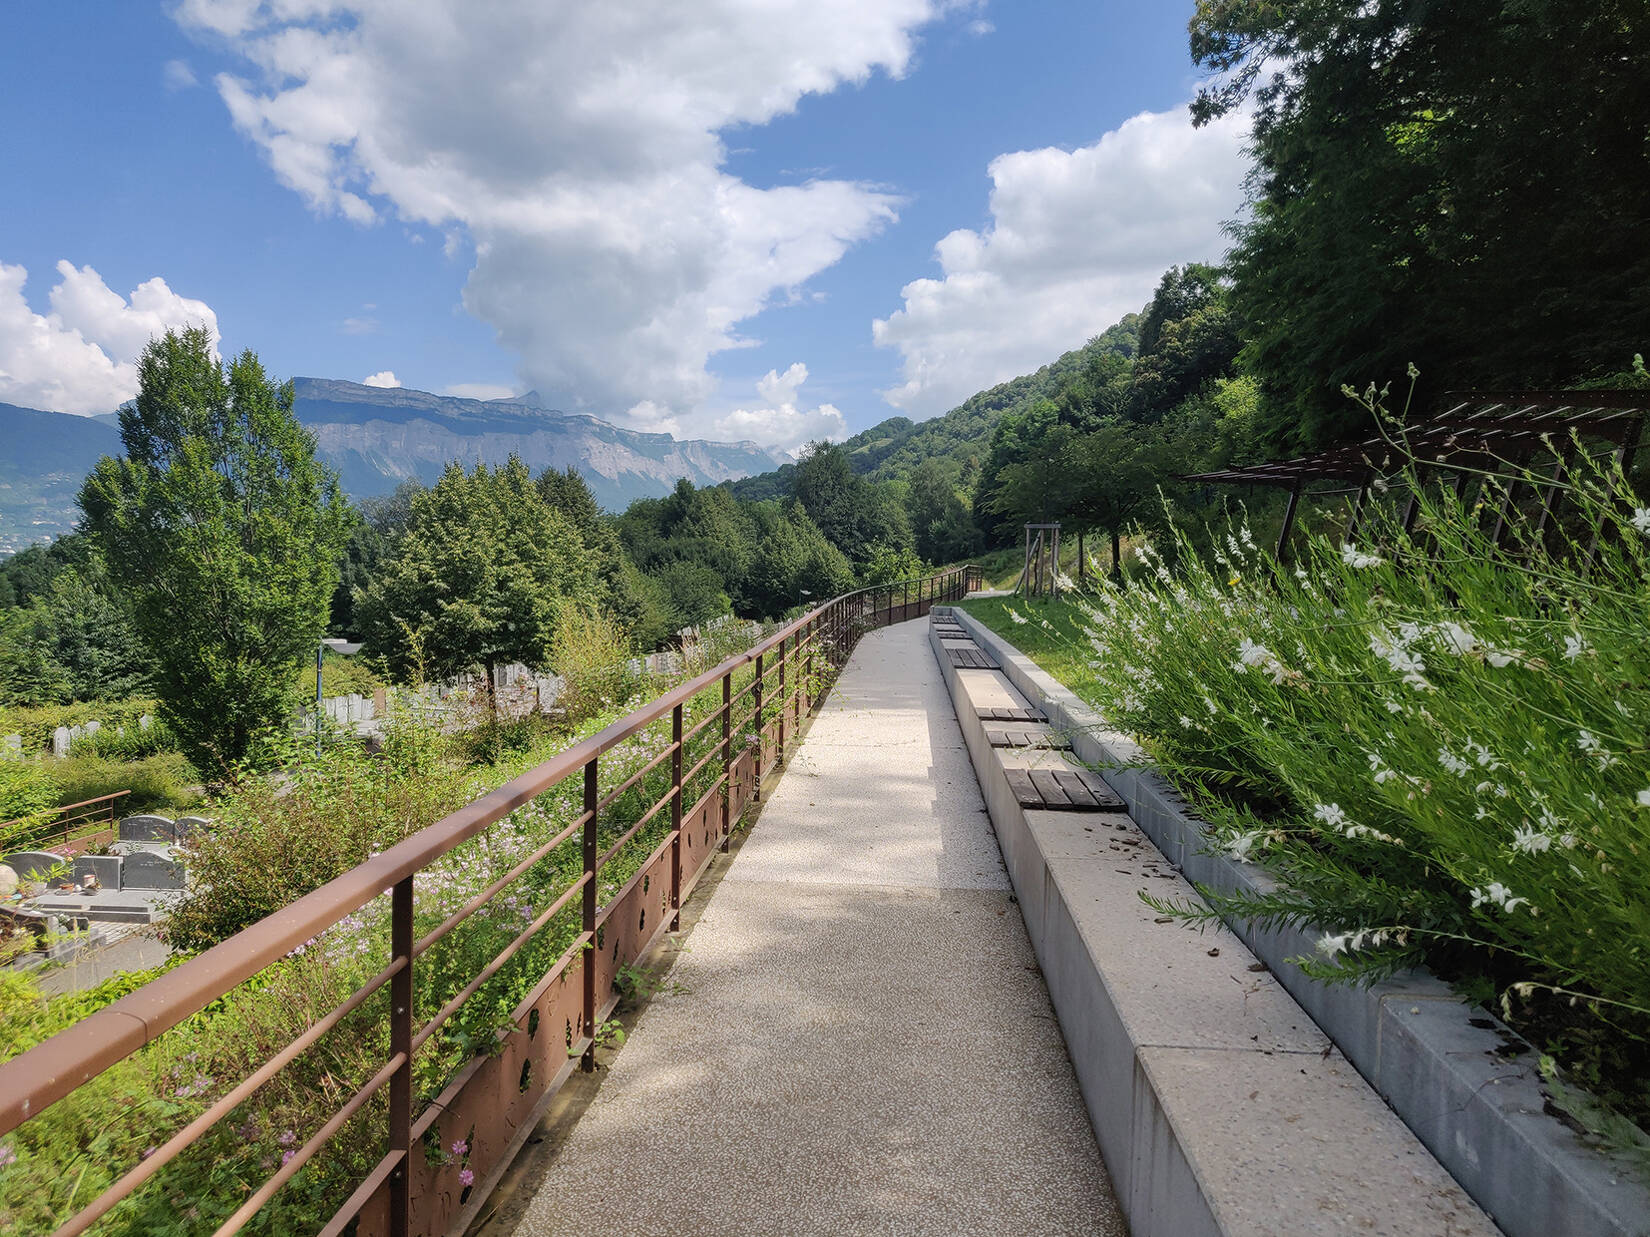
<point>359,326</point>
<point>80,357</point>
<point>580,167</point>
<point>779,422</point>
<point>1076,240</point>
<point>479,390</point>
<point>177,75</point>
<point>383,378</point>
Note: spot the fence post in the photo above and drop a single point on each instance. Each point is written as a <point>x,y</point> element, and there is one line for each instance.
<point>588,1061</point>
<point>813,652</point>
<point>784,700</point>
<point>676,819</point>
<point>727,758</point>
<point>401,1037</point>
<point>756,777</point>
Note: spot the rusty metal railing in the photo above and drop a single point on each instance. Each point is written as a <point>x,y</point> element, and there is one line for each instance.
<point>69,829</point>
<point>497,1097</point>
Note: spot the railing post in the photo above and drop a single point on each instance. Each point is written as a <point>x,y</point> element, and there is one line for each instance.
<point>813,654</point>
<point>588,1061</point>
<point>784,700</point>
<point>676,819</point>
<point>756,777</point>
<point>727,758</point>
<point>401,1037</point>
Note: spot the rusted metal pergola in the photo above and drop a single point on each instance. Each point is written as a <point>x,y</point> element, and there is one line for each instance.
<point>1477,434</point>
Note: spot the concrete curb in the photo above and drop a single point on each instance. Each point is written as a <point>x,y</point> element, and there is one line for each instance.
<point>1459,1078</point>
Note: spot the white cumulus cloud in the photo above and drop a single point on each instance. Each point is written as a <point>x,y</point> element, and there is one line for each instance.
<point>80,357</point>
<point>383,378</point>
<point>575,149</point>
<point>779,422</point>
<point>1076,240</point>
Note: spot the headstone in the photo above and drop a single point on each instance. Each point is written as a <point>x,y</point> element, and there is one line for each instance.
<point>147,870</point>
<point>26,863</point>
<point>11,747</point>
<point>187,826</point>
<point>8,881</point>
<point>90,728</point>
<point>145,722</point>
<point>148,829</point>
<point>60,741</point>
<point>106,868</point>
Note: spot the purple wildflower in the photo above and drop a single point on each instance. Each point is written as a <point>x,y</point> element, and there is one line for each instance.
<point>466,1177</point>
<point>461,1147</point>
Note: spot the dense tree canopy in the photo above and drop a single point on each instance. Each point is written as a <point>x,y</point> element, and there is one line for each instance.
<point>478,578</point>
<point>222,532</point>
<point>1459,185</point>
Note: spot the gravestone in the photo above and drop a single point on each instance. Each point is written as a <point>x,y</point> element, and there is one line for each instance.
<point>60,741</point>
<point>131,848</point>
<point>106,868</point>
<point>187,826</point>
<point>148,870</point>
<point>11,747</point>
<point>148,829</point>
<point>8,882</point>
<point>24,862</point>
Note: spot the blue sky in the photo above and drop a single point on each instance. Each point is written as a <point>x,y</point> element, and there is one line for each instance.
<point>718,220</point>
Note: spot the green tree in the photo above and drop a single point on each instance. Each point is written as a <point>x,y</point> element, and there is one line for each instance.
<point>1459,185</point>
<point>477,580</point>
<point>940,521</point>
<point>223,531</point>
<point>853,513</point>
<point>794,563</point>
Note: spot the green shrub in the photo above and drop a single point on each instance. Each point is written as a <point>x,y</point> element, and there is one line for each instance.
<point>133,743</point>
<point>37,724</point>
<point>592,654</point>
<point>158,781</point>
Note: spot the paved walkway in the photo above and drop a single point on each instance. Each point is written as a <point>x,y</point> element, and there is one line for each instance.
<point>857,1039</point>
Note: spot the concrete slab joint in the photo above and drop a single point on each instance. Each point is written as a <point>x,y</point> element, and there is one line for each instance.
<point>1290,1086</point>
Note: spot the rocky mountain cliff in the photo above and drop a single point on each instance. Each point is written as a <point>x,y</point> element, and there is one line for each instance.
<point>376,438</point>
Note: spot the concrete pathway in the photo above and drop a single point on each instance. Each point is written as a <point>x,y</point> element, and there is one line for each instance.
<point>857,1039</point>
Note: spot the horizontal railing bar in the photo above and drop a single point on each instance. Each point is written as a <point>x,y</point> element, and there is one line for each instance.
<point>493,967</point>
<point>167,1151</point>
<point>703,761</point>
<point>606,912</point>
<point>703,722</point>
<point>474,904</point>
<point>635,777</point>
<point>38,1078</point>
<point>631,832</point>
<point>304,1154</point>
<point>363,1194</point>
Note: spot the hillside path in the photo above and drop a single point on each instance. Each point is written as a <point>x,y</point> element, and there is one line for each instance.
<point>856,1038</point>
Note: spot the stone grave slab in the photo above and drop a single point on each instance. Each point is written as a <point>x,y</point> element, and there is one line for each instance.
<point>25,861</point>
<point>148,829</point>
<point>105,867</point>
<point>147,870</point>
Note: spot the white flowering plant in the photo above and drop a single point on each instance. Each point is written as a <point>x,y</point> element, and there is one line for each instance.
<point>1441,745</point>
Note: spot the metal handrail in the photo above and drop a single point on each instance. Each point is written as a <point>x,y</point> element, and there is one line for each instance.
<point>38,1078</point>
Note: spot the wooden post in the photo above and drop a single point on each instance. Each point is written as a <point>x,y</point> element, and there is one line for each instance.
<point>676,819</point>
<point>727,758</point>
<point>401,1044</point>
<point>588,1061</point>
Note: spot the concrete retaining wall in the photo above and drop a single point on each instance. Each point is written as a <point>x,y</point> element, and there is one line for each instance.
<point>1462,1081</point>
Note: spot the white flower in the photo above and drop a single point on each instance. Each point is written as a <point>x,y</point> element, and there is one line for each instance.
<point>1500,659</point>
<point>1358,559</point>
<point>1331,814</point>
<point>1240,846</point>
<point>1644,798</point>
<point>1258,655</point>
<point>1452,762</point>
<point>1641,520</point>
<point>1530,841</point>
<point>1186,723</point>
<point>1574,647</point>
<point>1454,638</point>
<point>1332,945</point>
<point>1395,652</point>
<point>1500,895</point>
<point>1017,616</point>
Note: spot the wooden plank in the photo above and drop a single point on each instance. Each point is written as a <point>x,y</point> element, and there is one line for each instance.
<point>1006,713</point>
<point>971,659</point>
<point>1049,788</point>
<point>1074,788</point>
<point>1019,781</point>
<point>1104,796</point>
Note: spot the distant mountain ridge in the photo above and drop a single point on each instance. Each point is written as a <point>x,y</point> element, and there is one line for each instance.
<point>377,437</point>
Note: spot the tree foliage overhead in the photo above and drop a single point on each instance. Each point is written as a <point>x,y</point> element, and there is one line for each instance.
<point>221,530</point>
<point>1459,185</point>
